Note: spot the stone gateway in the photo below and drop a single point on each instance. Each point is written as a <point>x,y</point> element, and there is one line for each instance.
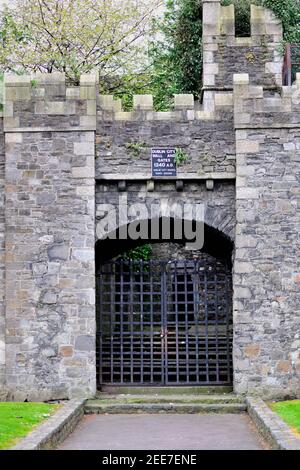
<point>67,151</point>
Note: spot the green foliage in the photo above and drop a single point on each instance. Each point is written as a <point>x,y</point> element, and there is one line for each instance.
<point>289,13</point>
<point>180,156</point>
<point>135,148</point>
<point>177,57</point>
<point>140,253</point>
<point>18,419</point>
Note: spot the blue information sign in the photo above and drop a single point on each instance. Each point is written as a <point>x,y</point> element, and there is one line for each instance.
<point>163,162</point>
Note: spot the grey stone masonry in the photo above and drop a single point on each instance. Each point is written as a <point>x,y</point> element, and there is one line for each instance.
<point>66,152</point>
<point>267,263</point>
<point>186,128</point>
<point>218,205</point>
<point>2,260</point>
<point>224,54</point>
<point>49,256</point>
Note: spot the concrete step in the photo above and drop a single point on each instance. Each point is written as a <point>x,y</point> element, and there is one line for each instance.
<point>186,390</point>
<point>96,407</point>
<point>105,399</point>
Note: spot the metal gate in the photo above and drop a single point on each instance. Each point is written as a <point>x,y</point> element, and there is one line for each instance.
<point>164,323</point>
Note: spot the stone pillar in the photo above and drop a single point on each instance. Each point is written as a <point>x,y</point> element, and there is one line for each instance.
<point>2,264</point>
<point>50,273</point>
<point>211,31</point>
<point>267,265</point>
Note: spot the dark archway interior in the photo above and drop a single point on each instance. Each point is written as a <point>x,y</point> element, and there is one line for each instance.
<point>165,321</point>
<point>216,244</point>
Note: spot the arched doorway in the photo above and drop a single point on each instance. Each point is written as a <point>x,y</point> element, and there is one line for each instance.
<point>165,321</point>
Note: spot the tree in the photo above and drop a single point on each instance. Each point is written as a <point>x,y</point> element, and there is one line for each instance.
<point>289,13</point>
<point>76,36</point>
<point>177,55</point>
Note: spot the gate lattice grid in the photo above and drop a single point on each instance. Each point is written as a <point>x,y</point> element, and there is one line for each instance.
<point>164,323</point>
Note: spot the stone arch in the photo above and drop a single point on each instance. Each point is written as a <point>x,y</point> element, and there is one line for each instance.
<point>217,243</point>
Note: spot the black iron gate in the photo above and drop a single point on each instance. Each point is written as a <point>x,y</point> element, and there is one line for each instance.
<point>164,323</point>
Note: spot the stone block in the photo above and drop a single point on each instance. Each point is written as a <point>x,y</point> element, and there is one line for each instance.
<point>17,80</point>
<point>209,80</point>
<point>90,80</point>
<point>18,93</point>
<point>106,102</point>
<point>258,28</point>
<point>184,101</point>
<point>211,18</point>
<point>55,78</point>
<point>247,146</point>
<point>224,99</point>
<point>143,102</point>
<point>252,350</point>
<point>59,252</point>
<point>211,69</point>
<point>273,67</point>
<point>283,366</point>
<point>227,14</point>
<point>85,343</point>
<point>208,57</point>
<point>150,186</point>
<point>8,110</point>
<point>91,108</point>
<point>243,267</point>
<point>85,190</point>
<point>244,42</point>
<point>241,79</point>
<point>55,108</point>
<point>124,116</point>
<point>66,351</point>
<point>257,14</point>
<point>73,93</point>
<point>88,93</point>
<point>83,255</point>
<point>49,298</point>
<point>14,138</point>
<point>84,148</point>
<point>83,172</point>
<point>247,193</point>
<point>11,122</point>
<point>88,122</point>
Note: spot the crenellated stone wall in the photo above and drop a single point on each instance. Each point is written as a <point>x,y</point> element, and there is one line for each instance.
<point>2,260</point>
<point>186,127</point>
<point>49,231</point>
<point>225,54</point>
<point>267,264</point>
<point>66,151</point>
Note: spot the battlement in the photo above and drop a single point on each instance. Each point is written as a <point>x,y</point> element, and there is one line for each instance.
<point>225,54</point>
<point>220,20</point>
<point>253,109</point>
<point>44,101</point>
<point>185,108</point>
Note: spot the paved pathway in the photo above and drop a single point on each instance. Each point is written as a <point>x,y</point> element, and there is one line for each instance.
<point>164,432</point>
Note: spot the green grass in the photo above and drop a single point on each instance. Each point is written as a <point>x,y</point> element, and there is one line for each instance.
<point>289,411</point>
<point>18,419</point>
